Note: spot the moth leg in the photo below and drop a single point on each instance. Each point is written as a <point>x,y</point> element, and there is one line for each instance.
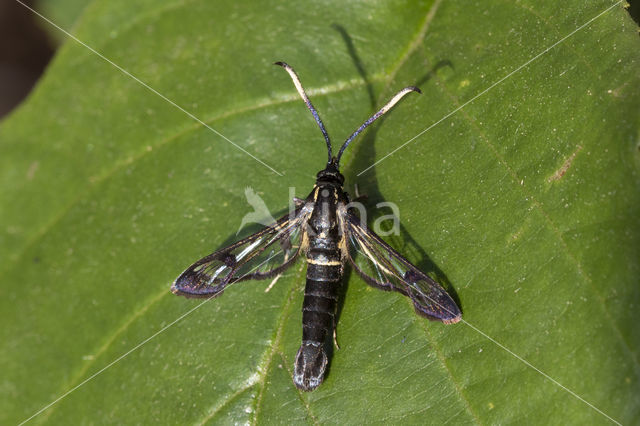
<point>335,338</point>
<point>277,277</point>
<point>272,283</point>
<point>298,201</point>
<point>358,197</point>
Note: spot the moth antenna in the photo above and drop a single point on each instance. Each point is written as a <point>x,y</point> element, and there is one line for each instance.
<point>375,116</point>
<point>305,98</point>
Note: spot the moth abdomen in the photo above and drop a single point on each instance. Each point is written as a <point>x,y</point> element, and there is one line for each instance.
<point>319,305</point>
<point>318,321</point>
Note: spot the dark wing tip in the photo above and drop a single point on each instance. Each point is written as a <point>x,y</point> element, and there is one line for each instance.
<point>191,292</point>
<point>437,308</point>
<point>452,312</point>
<point>453,320</point>
<point>192,295</point>
<point>447,317</point>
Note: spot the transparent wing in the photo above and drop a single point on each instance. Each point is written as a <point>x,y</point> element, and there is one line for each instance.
<point>383,267</point>
<point>264,254</point>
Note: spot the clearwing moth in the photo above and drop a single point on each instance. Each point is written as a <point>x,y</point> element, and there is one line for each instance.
<point>327,233</point>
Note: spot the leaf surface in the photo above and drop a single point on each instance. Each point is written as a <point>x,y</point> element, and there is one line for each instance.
<point>522,197</point>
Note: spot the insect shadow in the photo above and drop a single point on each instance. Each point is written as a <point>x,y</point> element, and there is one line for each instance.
<point>362,158</point>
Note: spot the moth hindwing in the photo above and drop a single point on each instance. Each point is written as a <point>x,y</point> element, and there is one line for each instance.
<point>327,234</point>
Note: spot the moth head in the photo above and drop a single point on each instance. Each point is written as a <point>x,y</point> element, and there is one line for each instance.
<point>331,173</point>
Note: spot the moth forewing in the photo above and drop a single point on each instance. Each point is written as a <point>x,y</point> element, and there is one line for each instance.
<point>262,255</point>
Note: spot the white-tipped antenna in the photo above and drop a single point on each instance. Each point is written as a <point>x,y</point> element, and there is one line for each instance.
<point>305,98</point>
<point>375,116</point>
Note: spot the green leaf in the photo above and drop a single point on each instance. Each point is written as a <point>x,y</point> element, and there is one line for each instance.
<point>64,13</point>
<point>522,197</point>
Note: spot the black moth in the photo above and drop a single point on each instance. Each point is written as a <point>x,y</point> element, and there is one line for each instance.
<point>328,233</point>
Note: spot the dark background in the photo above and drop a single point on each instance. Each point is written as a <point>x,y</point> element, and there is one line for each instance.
<point>25,50</point>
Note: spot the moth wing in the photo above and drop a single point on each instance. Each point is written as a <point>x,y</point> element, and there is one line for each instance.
<point>262,255</point>
<point>383,267</point>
